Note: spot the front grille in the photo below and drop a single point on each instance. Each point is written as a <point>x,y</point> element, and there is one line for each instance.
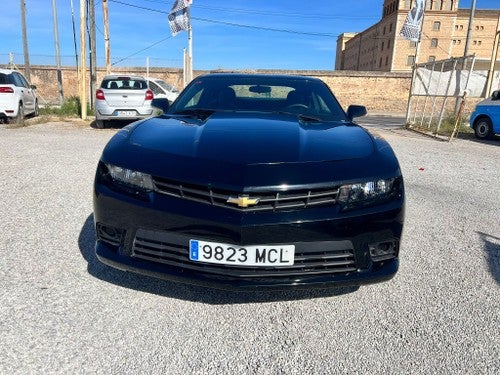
<point>261,201</point>
<point>310,258</point>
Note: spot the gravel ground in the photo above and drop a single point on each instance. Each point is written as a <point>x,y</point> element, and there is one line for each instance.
<point>61,311</point>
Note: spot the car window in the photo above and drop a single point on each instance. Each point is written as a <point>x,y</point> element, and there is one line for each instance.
<point>263,94</point>
<point>19,80</point>
<point>124,83</point>
<point>155,88</point>
<point>167,86</point>
<point>6,79</point>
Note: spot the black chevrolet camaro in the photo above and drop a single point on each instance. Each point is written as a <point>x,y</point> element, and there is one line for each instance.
<point>251,182</point>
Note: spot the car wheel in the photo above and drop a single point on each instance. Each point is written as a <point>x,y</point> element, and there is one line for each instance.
<point>99,124</point>
<point>20,115</point>
<point>483,128</point>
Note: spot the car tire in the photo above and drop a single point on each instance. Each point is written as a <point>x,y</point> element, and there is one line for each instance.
<point>20,115</point>
<point>483,128</point>
<point>99,124</point>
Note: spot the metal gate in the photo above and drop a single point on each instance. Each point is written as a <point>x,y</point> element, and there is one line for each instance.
<point>437,89</point>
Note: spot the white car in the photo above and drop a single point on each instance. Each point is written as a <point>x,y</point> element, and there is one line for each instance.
<point>162,89</point>
<point>122,97</point>
<point>17,97</point>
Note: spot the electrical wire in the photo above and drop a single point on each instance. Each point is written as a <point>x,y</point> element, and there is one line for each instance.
<point>231,23</point>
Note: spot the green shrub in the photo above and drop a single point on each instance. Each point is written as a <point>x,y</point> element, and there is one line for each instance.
<point>70,108</point>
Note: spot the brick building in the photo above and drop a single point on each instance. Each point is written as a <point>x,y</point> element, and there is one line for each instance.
<point>444,32</point>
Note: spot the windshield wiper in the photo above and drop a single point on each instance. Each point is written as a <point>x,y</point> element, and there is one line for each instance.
<point>199,113</point>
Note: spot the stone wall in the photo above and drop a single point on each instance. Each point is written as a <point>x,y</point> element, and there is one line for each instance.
<point>378,91</point>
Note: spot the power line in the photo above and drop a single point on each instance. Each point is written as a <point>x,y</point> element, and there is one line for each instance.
<point>232,23</point>
<point>271,13</point>
<point>142,50</point>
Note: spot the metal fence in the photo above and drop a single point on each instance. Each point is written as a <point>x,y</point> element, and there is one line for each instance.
<point>439,90</point>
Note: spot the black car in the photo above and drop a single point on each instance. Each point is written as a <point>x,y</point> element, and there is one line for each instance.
<point>251,182</point>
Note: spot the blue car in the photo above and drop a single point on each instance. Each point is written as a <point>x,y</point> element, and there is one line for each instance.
<point>485,120</point>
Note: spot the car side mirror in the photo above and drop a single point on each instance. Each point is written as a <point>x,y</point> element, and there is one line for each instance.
<point>161,103</point>
<point>495,95</point>
<point>356,111</point>
<point>33,87</point>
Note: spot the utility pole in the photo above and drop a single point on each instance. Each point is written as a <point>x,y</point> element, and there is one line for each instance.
<point>93,58</point>
<point>106,36</point>
<point>58,56</point>
<point>83,53</point>
<point>469,30</point>
<point>494,55</point>
<point>27,69</point>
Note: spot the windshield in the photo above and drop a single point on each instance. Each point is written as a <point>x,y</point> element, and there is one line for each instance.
<point>276,94</point>
<point>166,86</point>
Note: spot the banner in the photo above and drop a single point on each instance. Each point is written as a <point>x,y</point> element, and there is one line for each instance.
<point>413,24</point>
<point>178,18</point>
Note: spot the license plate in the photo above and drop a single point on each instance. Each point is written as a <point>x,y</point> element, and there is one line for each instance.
<point>125,113</point>
<point>252,256</point>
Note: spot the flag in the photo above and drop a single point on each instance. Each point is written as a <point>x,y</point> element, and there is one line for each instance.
<point>413,24</point>
<point>178,18</point>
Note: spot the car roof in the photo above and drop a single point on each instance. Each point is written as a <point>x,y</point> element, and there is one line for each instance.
<point>7,71</point>
<point>216,75</point>
<point>118,76</point>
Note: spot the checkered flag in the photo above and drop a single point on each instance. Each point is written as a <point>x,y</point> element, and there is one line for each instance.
<point>413,24</point>
<point>178,18</point>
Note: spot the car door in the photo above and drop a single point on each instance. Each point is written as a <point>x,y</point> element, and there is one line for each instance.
<point>494,112</point>
<point>27,93</point>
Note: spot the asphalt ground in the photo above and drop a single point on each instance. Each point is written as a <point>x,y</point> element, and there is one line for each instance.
<point>63,312</point>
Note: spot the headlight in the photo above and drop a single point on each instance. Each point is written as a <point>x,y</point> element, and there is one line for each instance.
<point>128,177</point>
<point>367,193</point>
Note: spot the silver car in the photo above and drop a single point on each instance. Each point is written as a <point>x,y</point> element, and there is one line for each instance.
<point>122,97</point>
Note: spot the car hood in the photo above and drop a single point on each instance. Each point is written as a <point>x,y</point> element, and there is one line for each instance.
<point>250,150</point>
<point>253,139</point>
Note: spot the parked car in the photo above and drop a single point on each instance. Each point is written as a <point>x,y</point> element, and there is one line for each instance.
<point>485,120</point>
<point>162,89</point>
<point>17,97</point>
<point>122,97</point>
<point>251,182</point>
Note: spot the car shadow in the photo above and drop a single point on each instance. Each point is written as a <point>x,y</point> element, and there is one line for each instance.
<point>492,252</point>
<point>111,124</point>
<point>495,141</point>
<point>192,293</point>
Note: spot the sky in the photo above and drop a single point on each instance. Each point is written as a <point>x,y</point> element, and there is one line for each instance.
<point>237,34</point>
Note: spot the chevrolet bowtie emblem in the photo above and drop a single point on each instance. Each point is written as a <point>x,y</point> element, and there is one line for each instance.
<point>243,201</point>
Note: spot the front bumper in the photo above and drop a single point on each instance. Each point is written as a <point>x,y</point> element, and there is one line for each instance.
<point>333,248</point>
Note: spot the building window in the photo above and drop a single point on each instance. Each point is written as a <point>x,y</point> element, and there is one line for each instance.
<point>461,27</point>
<point>380,63</point>
<point>382,46</point>
<point>434,43</point>
<point>386,60</point>
<point>389,44</point>
<point>390,28</point>
<point>479,42</point>
<point>432,58</point>
<point>410,61</point>
<point>384,31</point>
<point>413,44</point>
<point>437,26</point>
